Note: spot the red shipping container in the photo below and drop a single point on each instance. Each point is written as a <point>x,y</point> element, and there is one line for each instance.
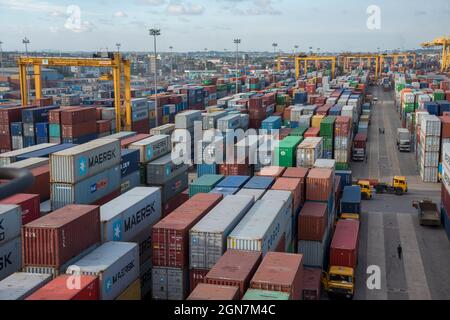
<point>103,126</point>
<point>284,132</point>
<point>300,173</point>
<point>293,185</point>
<point>281,272</point>
<point>319,184</point>
<point>5,142</point>
<point>447,95</point>
<point>108,198</point>
<point>323,111</point>
<point>64,288</point>
<point>45,102</point>
<point>311,284</point>
<point>235,268</point>
<point>79,129</point>
<point>213,292</point>
<point>312,133</point>
<point>312,221</point>
<point>281,246</point>
<point>445,132</point>
<point>360,140</point>
<point>236,169</point>
<point>29,204</point>
<point>175,202</point>
<point>255,103</point>
<point>60,236</point>
<point>78,115</point>
<point>196,276</point>
<point>125,143</point>
<point>344,245</point>
<point>11,114</point>
<point>170,236</point>
<point>4,129</point>
<point>271,171</point>
<point>41,185</point>
<point>141,126</point>
<point>342,126</point>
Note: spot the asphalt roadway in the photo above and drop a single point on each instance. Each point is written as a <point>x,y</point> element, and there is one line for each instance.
<point>389,220</point>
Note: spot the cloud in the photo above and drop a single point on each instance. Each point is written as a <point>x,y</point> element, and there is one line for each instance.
<point>31,6</point>
<point>150,2</point>
<point>178,8</point>
<point>120,14</point>
<point>256,8</point>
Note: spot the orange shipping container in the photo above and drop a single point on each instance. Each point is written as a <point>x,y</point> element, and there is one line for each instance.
<point>294,185</point>
<point>206,291</point>
<point>312,221</point>
<point>319,184</point>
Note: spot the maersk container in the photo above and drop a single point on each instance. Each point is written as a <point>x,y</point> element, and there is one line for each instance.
<point>208,238</point>
<point>186,119</point>
<point>130,181</point>
<point>30,163</point>
<point>87,191</point>
<point>170,283</point>
<point>115,263</point>
<point>233,182</point>
<point>164,129</point>
<point>20,285</point>
<point>129,162</point>
<point>10,222</point>
<point>225,191</point>
<point>257,194</point>
<point>204,184</point>
<point>45,153</point>
<point>258,182</point>
<point>152,148</point>
<point>174,186</point>
<point>84,161</point>
<point>10,257</point>
<point>261,295</point>
<point>261,229</point>
<point>351,200</point>
<point>125,217</point>
<point>165,168</point>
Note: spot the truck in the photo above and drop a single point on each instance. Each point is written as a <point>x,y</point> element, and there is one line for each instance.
<point>403,140</point>
<point>351,203</point>
<point>428,213</point>
<point>359,147</point>
<point>398,187</point>
<point>386,84</point>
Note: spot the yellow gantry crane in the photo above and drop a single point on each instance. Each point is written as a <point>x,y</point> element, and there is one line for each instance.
<point>362,58</point>
<point>118,65</point>
<point>316,59</point>
<point>396,57</point>
<point>281,59</point>
<point>443,42</point>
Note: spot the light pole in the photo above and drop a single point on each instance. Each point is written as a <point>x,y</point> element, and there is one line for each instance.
<point>295,49</point>
<point>237,42</point>
<point>171,62</point>
<point>118,47</point>
<point>275,45</point>
<point>25,41</point>
<point>155,33</point>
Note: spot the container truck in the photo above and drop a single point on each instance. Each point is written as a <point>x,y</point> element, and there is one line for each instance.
<point>351,203</point>
<point>359,147</point>
<point>403,140</point>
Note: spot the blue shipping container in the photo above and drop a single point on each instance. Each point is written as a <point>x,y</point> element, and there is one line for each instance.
<point>432,108</point>
<point>233,182</point>
<point>28,141</point>
<point>346,177</point>
<point>225,191</point>
<point>262,183</point>
<point>300,97</point>
<point>130,181</point>
<point>204,168</point>
<point>129,161</point>
<point>351,200</point>
<point>36,114</point>
<point>444,106</point>
<point>16,129</point>
<point>41,129</point>
<point>80,140</point>
<point>272,123</point>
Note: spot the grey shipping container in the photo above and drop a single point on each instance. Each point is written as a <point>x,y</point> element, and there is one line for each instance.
<point>257,194</point>
<point>164,129</point>
<point>152,148</point>
<point>121,135</point>
<point>10,222</point>
<point>144,241</point>
<point>165,168</point>
<point>146,278</point>
<point>123,218</point>
<point>313,251</point>
<point>20,285</point>
<point>115,263</point>
<point>185,120</point>
<point>169,283</point>
<point>210,119</point>
<point>87,191</point>
<point>261,229</point>
<point>174,186</point>
<point>10,257</point>
<point>84,161</point>
<point>285,196</point>
<point>130,181</point>
<point>29,163</point>
<point>10,157</point>
<point>208,238</point>
<point>230,122</point>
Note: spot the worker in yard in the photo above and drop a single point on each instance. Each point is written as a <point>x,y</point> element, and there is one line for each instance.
<point>399,251</point>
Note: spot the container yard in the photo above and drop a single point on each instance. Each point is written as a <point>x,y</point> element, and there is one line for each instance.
<point>143,174</point>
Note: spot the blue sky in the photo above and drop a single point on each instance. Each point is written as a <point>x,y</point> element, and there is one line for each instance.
<point>190,25</point>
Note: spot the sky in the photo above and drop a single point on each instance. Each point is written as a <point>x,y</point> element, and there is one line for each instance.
<point>196,25</point>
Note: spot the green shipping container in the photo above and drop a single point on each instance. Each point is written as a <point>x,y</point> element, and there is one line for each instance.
<point>399,87</point>
<point>438,96</point>
<point>328,143</point>
<point>299,132</point>
<point>287,151</point>
<point>342,166</point>
<point>54,130</point>
<point>255,294</point>
<point>327,126</point>
<point>204,184</point>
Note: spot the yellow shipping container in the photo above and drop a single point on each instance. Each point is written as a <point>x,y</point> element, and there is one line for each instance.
<point>280,108</point>
<point>133,292</point>
<point>316,120</point>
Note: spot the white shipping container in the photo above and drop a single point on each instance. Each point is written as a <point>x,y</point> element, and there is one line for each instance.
<point>208,238</point>
<point>305,120</point>
<point>341,143</point>
<point>428,159</point>
<point>430,143</point>
<point>261,229</point>
<point>186,119</point>
<point>325,163</point>
<point>123,218</point>
<point>257,194</point>
<point>115,263</point>
<point>429,174</point>
<point>10,222</point>
<point>296,113</point>
<point>309,151</point>
<point>10,157</point>
<point>164,129</point>
<point>20,285</point>
<point>342,156</point>
<point>81,162</point>
<point>29,163</point>
<point>313,251</point>
<point>152,148</point>
<point>287,198</point>
<point>348,111</point>
<point>230,122</point>
<point>430,125</point>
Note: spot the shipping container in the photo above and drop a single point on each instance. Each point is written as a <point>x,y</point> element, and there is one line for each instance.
<point>30,163</point>
<point>204,184</point>
<point>294,186</point>
<point>261,295</point>
<point>174,186</point>
<point>170,283</point>
<point>44,153</point>
<point>10,222</point>
<point>186,119</point>
<point>65,287</point>
<point>344,245</point>
<point>309,151</point>
<point>319,184</point>
<point>152,148</point>
<point>235,268</point>
<point>170,236</point>
<point>20,285</point>
<point>312,284</point>
<point>233,182</point>
<point>11,257</point>
<point>271,171</point>
<point>130,181</point>
<point>165,168</point>
<point>129,162</point>
<point>209,236</point>
<point>257,194</point>
<point>314,252</point>
<point>257,182</point>
<point>312,221</point>
<point>280,272</point>
<point>116,264</point>
<point>84,161</point>
<point>206,291</point>
<point>55,238</point>
<point>351,200</point>
<point>125,217</point>
<point>132,293</point>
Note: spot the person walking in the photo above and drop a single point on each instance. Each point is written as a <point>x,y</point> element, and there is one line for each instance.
<point>400,251</point>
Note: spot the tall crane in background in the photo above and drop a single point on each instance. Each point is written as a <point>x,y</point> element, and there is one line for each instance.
<point>443,42</point>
